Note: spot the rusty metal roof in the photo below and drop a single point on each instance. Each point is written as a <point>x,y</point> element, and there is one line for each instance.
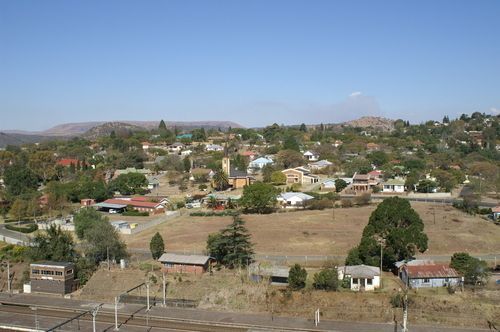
<point>431,271</point>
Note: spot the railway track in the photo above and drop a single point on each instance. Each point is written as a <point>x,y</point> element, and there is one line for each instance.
<point>139,321</point>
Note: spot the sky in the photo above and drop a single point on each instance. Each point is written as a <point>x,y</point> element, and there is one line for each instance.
<point>253,62</point>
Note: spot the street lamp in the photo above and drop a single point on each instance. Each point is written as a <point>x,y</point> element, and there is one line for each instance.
<point>37,325</point>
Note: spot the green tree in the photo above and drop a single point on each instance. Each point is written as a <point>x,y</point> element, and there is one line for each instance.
<point>278,177</point>
<point>19,179</point>
<point>157,246</point>
<point>326,279</point>
<point>101,240</point>
<point>378,158</point>
<point>220,180</point>
<point>297,277</point>
<point>128,184</point>
<point>259,197</point>
<point>43,164</point>
<point>396,226</point>
<point>54,245</point>
<point>426,186</point>
<point>232,245</point>
<point>303,128</point>
<point>474,270</point>
<point>187,164</point>
<point>85,219</point>
<point>340,185</point>
<point>289,158</point>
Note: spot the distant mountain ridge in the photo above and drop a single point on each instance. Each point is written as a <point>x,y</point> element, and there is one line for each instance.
<point>374,122</point>
<point>80,128</point>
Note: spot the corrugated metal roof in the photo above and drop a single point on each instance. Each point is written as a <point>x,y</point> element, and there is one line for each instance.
<point>51,263</point>
<point>184,259</point>
<point>431,271</point>
<point>110,205</point>
<point>269,270</point>
<point>289,195</point>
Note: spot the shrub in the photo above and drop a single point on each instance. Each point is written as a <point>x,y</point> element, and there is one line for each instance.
<point>321,204</point>
<point>363,199</point>
<point>326,279</point>
<point>135,213</point>
<point>346,203</point>
<point>28,229</point>
<point>297,277</point>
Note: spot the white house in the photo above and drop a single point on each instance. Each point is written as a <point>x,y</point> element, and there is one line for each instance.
<point>328,184</point>
<point>186,152</point>
<point>153,182</point>
<point>362,277</point>
<point>320,164</point>
<point>259,163</point>
<point>176,147</point>
<point>292,199</point>
<point>394,186</point>
<point>214,147</point>
<point>311,156</point>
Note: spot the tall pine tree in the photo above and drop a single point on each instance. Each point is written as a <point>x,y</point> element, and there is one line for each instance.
<point>157,246</point>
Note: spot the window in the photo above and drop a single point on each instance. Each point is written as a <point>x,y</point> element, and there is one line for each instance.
<point>59,273</point>
<point>169,265</point>
<point>355,281</point>
<point>48,273</point>
<point>426,281</point>
<point>35,271</point>
<point>369,281</point>
<point>69,272</point>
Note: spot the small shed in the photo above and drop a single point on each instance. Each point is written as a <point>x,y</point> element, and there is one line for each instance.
<point>429,275</point>
<point>174,263</point>
<point>277,275</point>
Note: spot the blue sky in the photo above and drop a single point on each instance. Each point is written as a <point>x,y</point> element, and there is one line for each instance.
<point>253,62</point>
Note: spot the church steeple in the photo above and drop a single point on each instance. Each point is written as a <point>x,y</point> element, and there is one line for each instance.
<point>226,162</point>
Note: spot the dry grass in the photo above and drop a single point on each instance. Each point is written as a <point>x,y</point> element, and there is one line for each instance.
<point>321,233</point>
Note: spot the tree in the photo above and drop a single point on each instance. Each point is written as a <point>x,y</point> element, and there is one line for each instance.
<point>43,164</point>
<point>278,177</point>
<point>378,158</point>
<point>220,180</point>
<point>303,128</point>
<point>340,185</point>
<point>395,226</point>
<point>157,246</point>
<point>54,245</point>
<point>85,219</point>
<point>232,245</point>
<point>290,158</point>
<point>297,277</point>
<point>426,186</point>
<point>259,197</point>
<point>326,279</point>
<point>19,179</point>
<point>128,184</point>
<point>101,241</point>
<point>474,270</point>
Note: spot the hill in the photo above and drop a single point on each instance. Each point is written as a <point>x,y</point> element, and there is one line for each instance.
<point>105,129</point>
<point>374,122</point>
<point>19,139</point>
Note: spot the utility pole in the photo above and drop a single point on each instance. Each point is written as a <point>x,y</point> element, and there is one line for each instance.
<point>94,314</point>
<point>164,290</point>
<point>116,314</point>
<point>147,296</point>
<point>8,277</point>
<point>405,312</point>
<point>37,324</point>
<point>107,256</point>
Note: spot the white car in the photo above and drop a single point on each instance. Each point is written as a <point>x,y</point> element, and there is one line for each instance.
<point>112,211</point>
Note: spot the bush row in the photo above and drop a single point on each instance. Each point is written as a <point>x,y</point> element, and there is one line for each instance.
<point>23,229</point>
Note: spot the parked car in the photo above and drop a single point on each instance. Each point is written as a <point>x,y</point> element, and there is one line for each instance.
<point>194,204</point>
<point>112,211</point>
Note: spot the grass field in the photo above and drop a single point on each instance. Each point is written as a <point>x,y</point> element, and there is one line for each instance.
<point>322,233</point>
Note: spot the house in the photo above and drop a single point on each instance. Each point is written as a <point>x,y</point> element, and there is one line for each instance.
<point>153,182</point>
<point>128,170</point>
<point>52,277</point>
<point>429,275</point>
<point>293,199</point>
<point>362,277</point>
<point>370,147</point>
<point>67,162</point>
<point>259,163</point>
<point>320,164</point>
<point>140,204</point>
<point>300,175</point>
<point>176,147</point>
<point>186,153</point>
<point>311,156</point>
<point>195,264</point>
<point>250,154</point>
<point>337,143</point>
<point>146,146</point>
<point>376,174</point>
<point>220,199</point>
<point>277,275</point>
<point>328,184</point>
<point>87,202</point>
<point>393,186</point>
<point>236,178</point>
<point>214,147</point>
<point>363,183</point>
<point>496,212</point>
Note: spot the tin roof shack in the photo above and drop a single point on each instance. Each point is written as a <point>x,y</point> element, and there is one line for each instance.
<point>362,277</point>
<point>429,275</point>
<point>52,277</point>
<point>277,275</point>
<point>196,264</point>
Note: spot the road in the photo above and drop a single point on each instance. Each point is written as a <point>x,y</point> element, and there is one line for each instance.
<point>18,311</point>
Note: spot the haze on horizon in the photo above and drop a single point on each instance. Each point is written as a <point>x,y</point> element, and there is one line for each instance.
<point>254,62</point>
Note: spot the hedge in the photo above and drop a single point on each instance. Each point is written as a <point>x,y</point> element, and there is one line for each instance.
<point>29,229</point>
